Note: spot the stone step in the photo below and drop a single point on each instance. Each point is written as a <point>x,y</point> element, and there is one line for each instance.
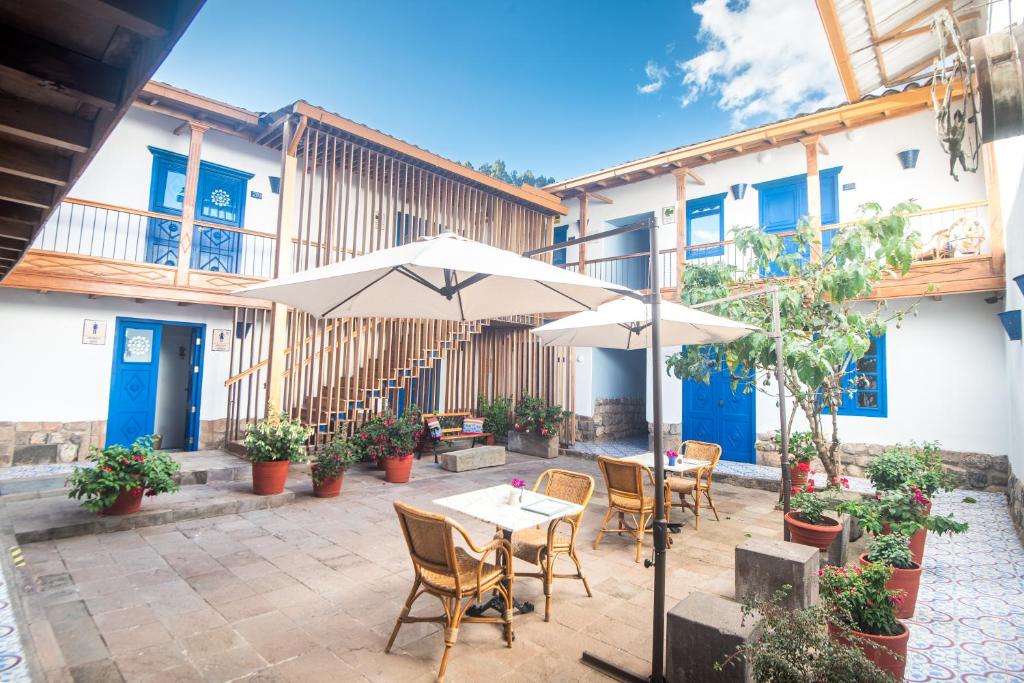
<point>52,517</point>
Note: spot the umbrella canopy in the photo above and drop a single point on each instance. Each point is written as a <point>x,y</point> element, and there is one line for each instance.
<point>445,277</point>
<point>626,324</point>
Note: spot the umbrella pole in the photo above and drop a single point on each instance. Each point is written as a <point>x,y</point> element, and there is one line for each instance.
<point>660,522</point>
<point>780,378</point>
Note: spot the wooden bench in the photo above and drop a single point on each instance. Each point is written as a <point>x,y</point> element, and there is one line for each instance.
<point>449,434</point>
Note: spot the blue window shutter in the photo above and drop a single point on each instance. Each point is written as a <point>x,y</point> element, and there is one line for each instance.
<point>867,382</point>
<point>705,209</point>
<point>561,233</point>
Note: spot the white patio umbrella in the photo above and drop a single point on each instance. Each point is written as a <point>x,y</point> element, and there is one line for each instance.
<point>445,277</point>
<point>626,324</point>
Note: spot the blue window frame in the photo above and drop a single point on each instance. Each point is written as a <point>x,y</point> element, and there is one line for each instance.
<point>560,234</point>
<point>864,387</point>
<point>705,223</point>
<point>220,200</point>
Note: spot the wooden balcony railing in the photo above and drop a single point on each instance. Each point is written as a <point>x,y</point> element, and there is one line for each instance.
<point>935,226</point>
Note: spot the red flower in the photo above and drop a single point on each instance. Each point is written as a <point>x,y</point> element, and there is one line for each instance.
<point>138,458</point>
<point>108,468</point>
<point>804,466</point>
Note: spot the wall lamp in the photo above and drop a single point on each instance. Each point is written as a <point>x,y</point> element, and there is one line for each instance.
<point>908,158</point>
<point>739,190</point>
<point>1020,282</point>
<point>1011,323</point>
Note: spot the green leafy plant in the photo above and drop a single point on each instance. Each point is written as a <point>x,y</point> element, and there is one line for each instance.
<point>801,447</point>
<point>276,439</point>
<point>826,327</point>
<point>895,468</point>
<point>331,460</point>
<point>904,511</point>
<point>810,507</point>
<point>892,550</point>
<point>858,599</point>
<point>908,465</point>
<point>116,469</point>
<point>496,414</point>
<point>388,436</point>
<point>533,414</point>
<point>795,647</point>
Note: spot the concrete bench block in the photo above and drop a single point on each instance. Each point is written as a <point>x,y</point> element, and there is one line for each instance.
<point>838,553</point>
<point>764,565</point>
<point>703,629</point>
<point>472,458</point>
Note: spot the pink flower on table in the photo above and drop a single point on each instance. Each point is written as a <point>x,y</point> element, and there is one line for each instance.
<point>671,453</point>
<point>518,483</point>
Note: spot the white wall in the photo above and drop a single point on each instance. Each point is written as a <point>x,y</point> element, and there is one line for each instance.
<point>58,378</point>
<point>1010,162</point>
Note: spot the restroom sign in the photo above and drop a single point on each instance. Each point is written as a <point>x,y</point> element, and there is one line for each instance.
<point>221,340</point>
<point>94,332</point>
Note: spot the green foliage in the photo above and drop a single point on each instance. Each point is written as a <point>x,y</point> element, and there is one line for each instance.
<point>276,439</point>
<point>496,169</point>
<point>533,414</point>
<point>116,469</point>
<point>824,330</point>
<point>904,511</point>
<point>893,469</point>
<point>909,465</point>
<point>858,598</point>
<point>387,436</point>
<point>801,446</point>
<point>334,457</point>
<point>892,550</point>
<point>796,647</point>
<point>497,414</point>
<point>810,507</point>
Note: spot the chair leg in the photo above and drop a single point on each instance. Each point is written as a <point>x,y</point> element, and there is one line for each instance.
<point>696,509</point>
<point>641,529</point>
<point>451,633</point>
<point>604,527</point>
<point>579,572</point>
<point>711,504</point>
<point>549,569</point>
<point>404,613</point>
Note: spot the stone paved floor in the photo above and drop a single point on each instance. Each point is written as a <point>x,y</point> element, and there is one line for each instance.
<point>617,449</point>
<point>310,592</point>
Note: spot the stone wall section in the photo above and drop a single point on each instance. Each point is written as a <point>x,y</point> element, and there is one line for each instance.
<point>671,434</point>
<point>613,418</point>
<point>1015,493</point>
<point>976,471</point>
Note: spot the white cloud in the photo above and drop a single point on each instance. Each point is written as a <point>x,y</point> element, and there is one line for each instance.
<point>656,75</point>
<point>766,59</point>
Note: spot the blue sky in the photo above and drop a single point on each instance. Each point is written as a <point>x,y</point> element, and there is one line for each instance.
<point>561,87</point>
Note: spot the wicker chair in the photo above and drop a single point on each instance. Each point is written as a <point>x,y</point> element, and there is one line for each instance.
<point>700,485</point>
<point>452,575</point>
<point>625,482</point>
<point>543,546</point>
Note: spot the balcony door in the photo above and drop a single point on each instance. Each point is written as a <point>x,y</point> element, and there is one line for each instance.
<point>220,201</point>
<point>783,202</point>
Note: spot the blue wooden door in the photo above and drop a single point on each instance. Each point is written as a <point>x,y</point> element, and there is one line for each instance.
<point>783,202</point>
<point>714,413</point>
<point>133,381</point>
<point>195,390</point>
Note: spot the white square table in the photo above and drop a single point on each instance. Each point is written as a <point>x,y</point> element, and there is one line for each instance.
<point>491,505</point>
<point>682,464</point>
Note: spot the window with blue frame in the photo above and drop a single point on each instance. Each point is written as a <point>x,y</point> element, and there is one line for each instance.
<point>705,224</point>
<point>220,201</point>
<point>561,233</point>
<point>864,387</point>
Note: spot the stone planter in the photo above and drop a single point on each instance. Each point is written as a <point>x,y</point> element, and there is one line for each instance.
<point>532,444</point>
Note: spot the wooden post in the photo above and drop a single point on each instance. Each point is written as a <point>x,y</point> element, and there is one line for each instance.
<point>813,191</point>
<point>584,203</point>
<point>283,264</point>
<point>997,240</point>
<point>680,174</point>
<point>188,209</point>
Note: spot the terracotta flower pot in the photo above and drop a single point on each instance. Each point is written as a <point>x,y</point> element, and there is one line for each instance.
<point>908,582</point>
<point>268,478</point>
<point>489,440</point>
<point>397,470</point>
<point>815,535</point>
<point>917,540</point>
<point>890,655</point>
<point>127,502</point>
<point>797,476</point>
<point>380,464</point>
<point>327,488</point>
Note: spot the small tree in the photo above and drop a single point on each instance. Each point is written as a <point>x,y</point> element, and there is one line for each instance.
<point>825,330</point>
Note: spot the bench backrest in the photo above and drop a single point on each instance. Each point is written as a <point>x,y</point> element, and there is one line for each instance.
<point>443,417</point>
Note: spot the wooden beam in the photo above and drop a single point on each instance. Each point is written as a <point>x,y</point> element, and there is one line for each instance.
<point>30,61</point>
<point>24,191</point>
<point>188,209</point>
<point>150,18</point>
<point>14,230</point>
<point>696,178</point>
<point>813,191</point>
<point>840,52</point>
<point>584,220</point>
<point>822,149</point>
<point>910,33</point>
<point>997,238</point>
<point>13,244</point>
<point>681,245</point>
<point>34,163</point>
<point>916,18</point>
<point>30,121</point>
<point>19,213</point>
<point>604,199</point>
<point>873,30</point>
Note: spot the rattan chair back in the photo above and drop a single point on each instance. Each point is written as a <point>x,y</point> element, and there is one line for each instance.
<point>624,478</point>
<point>573,487</point>
<point>701,450</point>
<point>430,540</point>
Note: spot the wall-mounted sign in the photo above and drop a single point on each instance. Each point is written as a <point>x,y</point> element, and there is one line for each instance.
<point>94,332</point>
<point>255,195</point>
<point>221,340</point>
<point>849,186</point>
<point>668,215</point>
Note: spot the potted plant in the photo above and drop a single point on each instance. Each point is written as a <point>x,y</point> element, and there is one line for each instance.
<point>794,646</point>
<point>801,453</point>
<point>905,466</point>
<point>807,522</point>
<point>535,427</point>
<point>862,612</point>
<point>272,444</point>
<point>893,551</point>
<point>391,440</point>
<point>496,415</point>
<point>120,476</point>
<point>328,466</point>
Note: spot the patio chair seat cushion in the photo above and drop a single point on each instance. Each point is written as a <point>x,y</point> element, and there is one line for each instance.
<point>527,544</point>
<point>681,484</point>
<point>630,504</point>
<point>467,568</point>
